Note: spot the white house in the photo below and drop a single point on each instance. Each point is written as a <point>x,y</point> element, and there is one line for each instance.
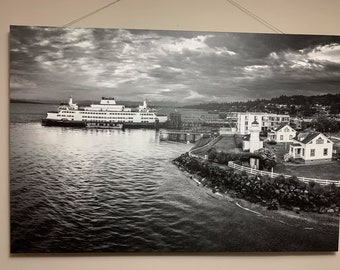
<point>252,142</point>
<point>311,147</point>
<point>283,133</point>
<point>266,121</point>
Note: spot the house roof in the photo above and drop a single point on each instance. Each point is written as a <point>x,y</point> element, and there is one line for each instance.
<point>282,126</point>
<point>310,137</point>
<point>307,137</point>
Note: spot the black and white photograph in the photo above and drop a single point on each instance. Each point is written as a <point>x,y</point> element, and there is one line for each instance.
<point>144,141</point>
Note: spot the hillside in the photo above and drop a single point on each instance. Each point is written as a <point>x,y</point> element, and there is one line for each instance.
<point>290,104</point>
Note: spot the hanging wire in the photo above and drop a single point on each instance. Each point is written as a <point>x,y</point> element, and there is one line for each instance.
<point>91,13</point>
<point>254,16</point>
<point>232,2</point>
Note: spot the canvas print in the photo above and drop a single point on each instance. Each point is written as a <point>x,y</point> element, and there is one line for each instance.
<point>173,141</point>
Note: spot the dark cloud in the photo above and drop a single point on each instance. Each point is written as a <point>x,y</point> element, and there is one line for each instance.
<point>174,66</point>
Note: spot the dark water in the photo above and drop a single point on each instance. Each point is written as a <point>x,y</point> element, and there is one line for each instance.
<point>78,190</point>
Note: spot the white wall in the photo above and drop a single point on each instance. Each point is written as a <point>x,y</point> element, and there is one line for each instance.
<point>291,16</point>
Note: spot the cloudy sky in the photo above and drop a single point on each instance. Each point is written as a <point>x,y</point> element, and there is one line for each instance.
<point>169,66</point>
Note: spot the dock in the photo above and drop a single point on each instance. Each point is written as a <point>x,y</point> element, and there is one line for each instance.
<point>187,136</point>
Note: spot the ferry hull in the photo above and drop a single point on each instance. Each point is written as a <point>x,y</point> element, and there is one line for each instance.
<point>82,124</point>
<point>62,123</point>
<point>144,125</point>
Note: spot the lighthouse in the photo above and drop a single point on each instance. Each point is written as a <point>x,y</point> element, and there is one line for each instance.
<point>254,140</point>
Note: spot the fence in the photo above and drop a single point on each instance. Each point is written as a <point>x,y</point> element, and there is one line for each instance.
<point>272,175</point>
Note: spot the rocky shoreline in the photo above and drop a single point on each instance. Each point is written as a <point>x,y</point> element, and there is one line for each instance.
<point>288,193</point>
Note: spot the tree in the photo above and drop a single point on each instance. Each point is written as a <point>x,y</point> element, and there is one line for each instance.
<point>307,110</point>
<point>261,107</point>
<point>322,123</point>
<point>212,154</point>
<point>267,157</point>
<point>292,110</point>
<point>334,108</point>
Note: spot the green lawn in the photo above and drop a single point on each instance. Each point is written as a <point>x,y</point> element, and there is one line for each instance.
<point>226,144</point>
<point>329,171</point>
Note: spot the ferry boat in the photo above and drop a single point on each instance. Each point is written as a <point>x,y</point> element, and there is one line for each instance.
<point>106,114</point>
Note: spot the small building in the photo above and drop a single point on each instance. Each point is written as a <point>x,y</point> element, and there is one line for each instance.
<point>311,147</point>
<point>282,134</point>
<point>227,130</point>
<point>175,121</point>
<point>252,142</point>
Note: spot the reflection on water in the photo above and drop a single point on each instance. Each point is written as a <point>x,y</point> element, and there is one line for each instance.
<point>98,184</point>
<point>78,190</point>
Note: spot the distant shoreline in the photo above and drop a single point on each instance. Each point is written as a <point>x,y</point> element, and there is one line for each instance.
<point>82,103</point>
<point>32,101</point>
